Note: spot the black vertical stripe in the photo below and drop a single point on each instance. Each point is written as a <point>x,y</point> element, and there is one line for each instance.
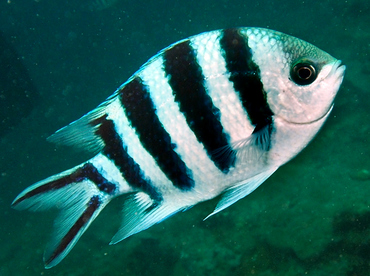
<point>90,172</point>
<point>245,75</point>
<point>141,112</point>
<point>116,151</point>
<point>186,79</point>
<point>87,171</point>
<point>91,208</point>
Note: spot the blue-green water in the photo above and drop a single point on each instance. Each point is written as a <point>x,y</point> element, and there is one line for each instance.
<point>312,217</point>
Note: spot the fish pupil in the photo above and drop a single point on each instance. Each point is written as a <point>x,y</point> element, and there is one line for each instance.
<point>303,73</point>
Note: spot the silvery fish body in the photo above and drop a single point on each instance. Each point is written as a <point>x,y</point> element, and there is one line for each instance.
<point>216,113</point>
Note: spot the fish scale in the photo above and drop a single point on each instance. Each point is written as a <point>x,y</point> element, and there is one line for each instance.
<point>175,123</point>
<point>234,118</point>
<point>217,113</point>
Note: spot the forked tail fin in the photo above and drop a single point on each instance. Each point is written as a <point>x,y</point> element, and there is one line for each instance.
<point>80,193</point>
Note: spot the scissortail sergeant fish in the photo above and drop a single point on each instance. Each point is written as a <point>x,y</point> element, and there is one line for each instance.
<point>216,113</point>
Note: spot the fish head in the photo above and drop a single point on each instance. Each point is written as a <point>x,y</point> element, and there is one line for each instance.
<point>300,80</point>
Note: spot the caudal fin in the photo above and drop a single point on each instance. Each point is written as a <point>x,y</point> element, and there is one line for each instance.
<point>80,193</point>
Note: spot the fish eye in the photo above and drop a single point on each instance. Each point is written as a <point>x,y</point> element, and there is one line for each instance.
<point>303,73</point>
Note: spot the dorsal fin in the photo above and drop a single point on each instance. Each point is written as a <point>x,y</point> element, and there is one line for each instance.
<point>81,133</point>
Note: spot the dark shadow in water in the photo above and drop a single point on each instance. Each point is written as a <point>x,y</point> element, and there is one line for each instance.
<point>18,95</point>
<point>152,259</point>
<point>350,249</point>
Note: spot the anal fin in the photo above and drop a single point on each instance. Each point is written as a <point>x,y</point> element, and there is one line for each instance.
<point>140,213</point>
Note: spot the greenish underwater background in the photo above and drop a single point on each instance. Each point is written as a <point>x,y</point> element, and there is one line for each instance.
<point>312,217</point>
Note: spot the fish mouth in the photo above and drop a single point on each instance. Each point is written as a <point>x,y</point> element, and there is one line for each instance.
<point>338,69</point>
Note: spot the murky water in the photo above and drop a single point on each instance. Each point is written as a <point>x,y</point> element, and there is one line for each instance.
<point>312,217</point>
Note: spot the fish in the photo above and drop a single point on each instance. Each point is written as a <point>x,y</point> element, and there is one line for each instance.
<point>213,114</point>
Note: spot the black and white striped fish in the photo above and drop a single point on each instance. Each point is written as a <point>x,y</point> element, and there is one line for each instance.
<point>215,113</point>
